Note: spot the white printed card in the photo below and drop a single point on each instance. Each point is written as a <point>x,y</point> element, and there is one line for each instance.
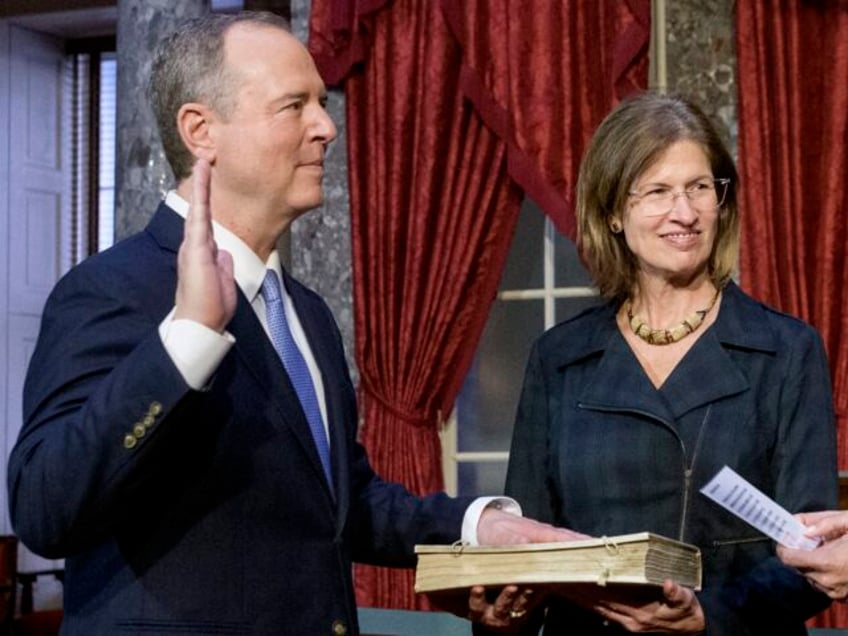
<point>733,492</point>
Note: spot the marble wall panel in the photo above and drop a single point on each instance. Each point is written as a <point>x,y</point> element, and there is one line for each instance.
<point>701,58</point>
<point>143,175</point>
<point>320,240</point>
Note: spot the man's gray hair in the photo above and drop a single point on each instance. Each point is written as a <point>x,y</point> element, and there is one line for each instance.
<point>188,66</point>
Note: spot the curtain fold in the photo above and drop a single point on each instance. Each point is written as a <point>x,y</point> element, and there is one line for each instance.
<point>543,74</point>
<point>450,107</point>
<point>433,214</point>
<point>793,165</point>
<point>338,35</point>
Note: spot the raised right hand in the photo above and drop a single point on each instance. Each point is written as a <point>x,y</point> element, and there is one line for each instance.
<point>206,290</point>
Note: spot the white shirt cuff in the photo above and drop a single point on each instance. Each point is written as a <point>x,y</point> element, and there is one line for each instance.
<point>475,510</point>
<point>195,349</point>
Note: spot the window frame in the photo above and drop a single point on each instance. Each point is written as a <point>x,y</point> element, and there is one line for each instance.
<point>549,293</point>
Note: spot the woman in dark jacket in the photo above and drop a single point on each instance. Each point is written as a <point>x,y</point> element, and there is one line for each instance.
<point>630,408</point>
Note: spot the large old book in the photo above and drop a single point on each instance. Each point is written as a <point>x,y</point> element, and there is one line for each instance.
<point>635,559</point>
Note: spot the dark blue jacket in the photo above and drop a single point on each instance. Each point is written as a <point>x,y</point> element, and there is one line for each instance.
<point>217,518</point>
<point>598,448</point>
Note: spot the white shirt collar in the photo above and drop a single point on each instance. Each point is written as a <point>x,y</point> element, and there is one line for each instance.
<point>248,268</point>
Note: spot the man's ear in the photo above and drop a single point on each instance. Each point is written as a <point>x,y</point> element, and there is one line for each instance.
<point>193,122</point>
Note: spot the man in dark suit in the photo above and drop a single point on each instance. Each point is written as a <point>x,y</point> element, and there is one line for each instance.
<point>193,481</point>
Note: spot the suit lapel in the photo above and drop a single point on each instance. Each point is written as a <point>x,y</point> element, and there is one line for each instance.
<point>166,227</point>
<point>258,355</point>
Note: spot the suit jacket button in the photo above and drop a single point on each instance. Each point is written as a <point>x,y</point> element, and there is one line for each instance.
<point>130,441</point>
<point>155,408</point>
<point>339,628</point>
<point>148,420</point>
<point>139,430</point>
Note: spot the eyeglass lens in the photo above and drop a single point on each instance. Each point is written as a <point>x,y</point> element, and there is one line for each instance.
<point>703,197</point>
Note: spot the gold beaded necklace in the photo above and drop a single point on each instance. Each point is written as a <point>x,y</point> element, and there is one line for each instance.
<point>672,334</point>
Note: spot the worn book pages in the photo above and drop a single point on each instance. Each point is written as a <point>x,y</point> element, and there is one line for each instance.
<point>637,559</point>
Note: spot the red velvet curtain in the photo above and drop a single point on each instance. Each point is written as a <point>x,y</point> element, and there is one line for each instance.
<point>793,164</point>
<point>433,178</point>
<point>543,73</point>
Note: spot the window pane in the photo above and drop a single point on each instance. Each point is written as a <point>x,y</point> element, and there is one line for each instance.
<point>79,85</point>
<point>106,172</point>
<point>524,265</point>
<point>486,404</point>
<point>569,270</point>
<point>479,479</point>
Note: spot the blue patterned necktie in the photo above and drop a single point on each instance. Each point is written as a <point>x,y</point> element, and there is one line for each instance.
<point>295,365</point>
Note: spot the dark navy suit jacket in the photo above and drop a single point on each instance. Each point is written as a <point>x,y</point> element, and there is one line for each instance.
<point>599,449</point>
<point>196,512</point>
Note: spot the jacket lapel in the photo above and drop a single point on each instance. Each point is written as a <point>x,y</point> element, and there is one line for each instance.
<point>621,383</point>
<point>260,358</point>
<point>166,227</point>
<point>707,373</point>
